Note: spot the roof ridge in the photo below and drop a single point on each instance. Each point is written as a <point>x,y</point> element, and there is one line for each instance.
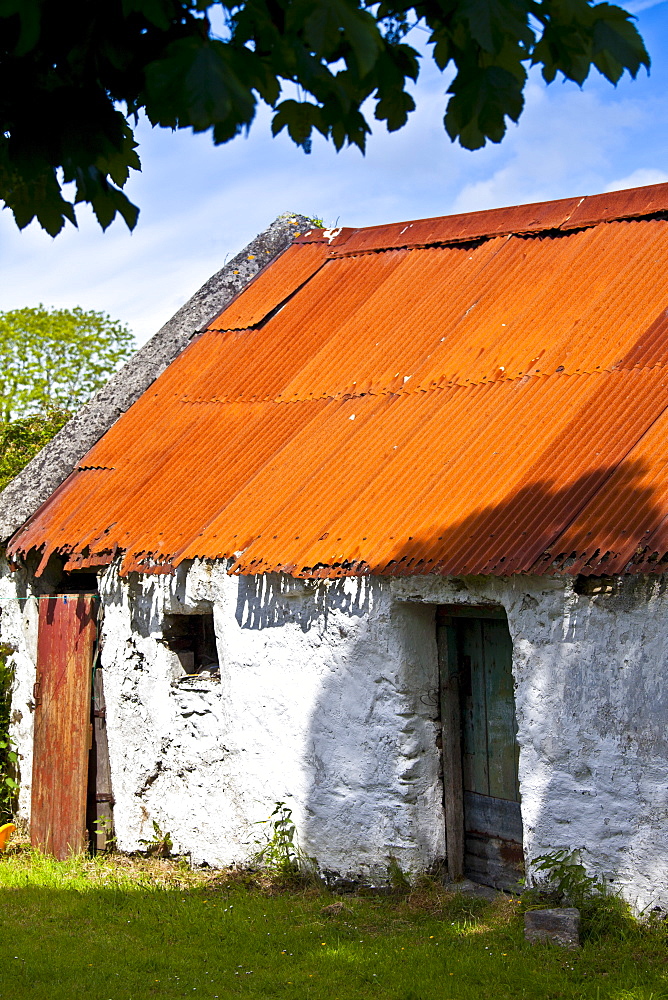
<point>46,472</point>
<point>559,215</point>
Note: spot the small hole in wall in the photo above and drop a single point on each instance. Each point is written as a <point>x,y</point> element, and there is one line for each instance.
<point>593,586</point>
<point>193,639</point>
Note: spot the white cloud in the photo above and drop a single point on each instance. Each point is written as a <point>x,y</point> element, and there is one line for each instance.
<point>640,177</point>
<point>639,5</point>
<point>567,143</point>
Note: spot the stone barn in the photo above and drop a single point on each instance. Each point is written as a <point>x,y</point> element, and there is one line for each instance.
<point>375,526</point>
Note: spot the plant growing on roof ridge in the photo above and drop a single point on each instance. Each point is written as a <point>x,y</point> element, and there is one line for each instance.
<point>313,220</point>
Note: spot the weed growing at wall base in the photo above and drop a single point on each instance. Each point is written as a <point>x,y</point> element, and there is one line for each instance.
<point>160,845</point>
<point>396,877</point>
<point>561,879</point>
<point>278,851</point>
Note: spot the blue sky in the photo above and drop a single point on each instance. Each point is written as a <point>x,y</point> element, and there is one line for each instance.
<point>201,204</point>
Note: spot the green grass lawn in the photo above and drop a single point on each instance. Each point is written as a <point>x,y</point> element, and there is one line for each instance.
<point>128,929</point>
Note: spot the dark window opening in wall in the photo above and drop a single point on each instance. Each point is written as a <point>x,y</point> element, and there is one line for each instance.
<point>193,639</point>
<point>594,586</point>
<point>56,580</point>
<point>77,582</point>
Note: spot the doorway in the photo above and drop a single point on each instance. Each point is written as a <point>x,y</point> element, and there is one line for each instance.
<point>71,791</point>
<point>480,751</point>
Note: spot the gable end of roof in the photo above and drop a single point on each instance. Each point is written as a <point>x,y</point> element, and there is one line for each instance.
<point>54,463</point>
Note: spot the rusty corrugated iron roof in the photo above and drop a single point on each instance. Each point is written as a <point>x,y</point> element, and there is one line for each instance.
<point>484,393</point>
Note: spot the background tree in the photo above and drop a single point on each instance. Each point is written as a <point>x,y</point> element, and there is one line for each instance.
<point>56,359</point>
<point>51,362</point>
<point>20,440</point>
<point>74,76</point>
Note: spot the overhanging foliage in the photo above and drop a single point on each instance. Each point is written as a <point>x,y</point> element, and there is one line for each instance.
<point>73,77</point>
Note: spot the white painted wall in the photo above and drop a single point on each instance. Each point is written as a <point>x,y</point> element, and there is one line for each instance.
<point>327,699</point>
<point>18,628</point>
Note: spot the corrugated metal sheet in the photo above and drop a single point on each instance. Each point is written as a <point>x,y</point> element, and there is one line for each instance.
<point>273,285</point>
<point>625,525</point>
<point>496,407</point>
<point>458,228</point>
<point>436,483</point>
<point>514,305</point>
<point>629,204</point>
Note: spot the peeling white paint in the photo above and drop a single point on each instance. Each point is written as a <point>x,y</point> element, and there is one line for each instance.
<point>18,628</point>
<point>328,700</point>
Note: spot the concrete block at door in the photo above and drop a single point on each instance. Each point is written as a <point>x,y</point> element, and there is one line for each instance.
<point>560,926</point>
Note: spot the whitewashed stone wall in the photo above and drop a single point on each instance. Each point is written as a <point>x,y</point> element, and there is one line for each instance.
<point>18,628</point>
<point>328,700</point>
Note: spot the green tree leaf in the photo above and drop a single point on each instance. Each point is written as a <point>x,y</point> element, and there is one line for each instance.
<point>615,43</point>
<point>196,85</point>
<point>480,104</point>
<point>158,12</point>
<point>490,23</point>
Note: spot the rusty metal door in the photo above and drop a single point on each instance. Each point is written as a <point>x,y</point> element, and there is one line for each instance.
<point>66,642</point>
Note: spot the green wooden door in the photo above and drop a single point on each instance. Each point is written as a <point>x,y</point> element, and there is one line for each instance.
<point>480,653</point>
<point>489,747</point>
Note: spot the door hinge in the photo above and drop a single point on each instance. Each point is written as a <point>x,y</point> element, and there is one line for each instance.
<point>105,797</point>
<point>100,713</point>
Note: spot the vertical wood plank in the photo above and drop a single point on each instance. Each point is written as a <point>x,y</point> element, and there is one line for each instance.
<point>500,701</point>
<point>477,658</point>
<point>452,753</point>
<point>474,706</point>
<point>62,733</point>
